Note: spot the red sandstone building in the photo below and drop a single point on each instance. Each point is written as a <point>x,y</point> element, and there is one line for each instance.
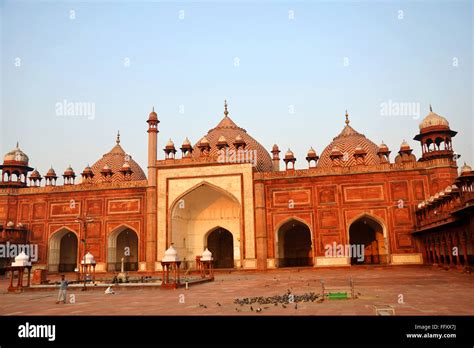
<point>253,210</point>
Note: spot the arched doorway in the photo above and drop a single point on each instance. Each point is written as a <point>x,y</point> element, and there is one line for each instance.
<point>122,243</point>
<point>221,244</point>
<point>197,213</point>
<point>63,249</point>
<point>366,235</point>
<point>294,245</point>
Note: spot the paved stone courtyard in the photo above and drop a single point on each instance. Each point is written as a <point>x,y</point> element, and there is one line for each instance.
<point>424,291</point>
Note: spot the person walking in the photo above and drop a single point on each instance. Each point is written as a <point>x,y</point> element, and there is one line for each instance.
<point>62,290</point>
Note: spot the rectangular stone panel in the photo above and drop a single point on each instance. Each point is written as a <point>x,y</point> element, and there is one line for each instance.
<point>402,216</point>
<point>121,206</point>
<point>418,190</point>
<point>25,212</point>
<point>69,208</point>
<point>94,207</point>
<point>328,219</point>
<point>295,197</point>
<point>37,232</point>
<point>363,193</point>
<point>93,230</point>
<point>39,211</point>
<point>399,190</point>
<point>327,195</point>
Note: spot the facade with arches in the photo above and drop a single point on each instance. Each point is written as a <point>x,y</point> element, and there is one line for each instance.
<point>352,205</point>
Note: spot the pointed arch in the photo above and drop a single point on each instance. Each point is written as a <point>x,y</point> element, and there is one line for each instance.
<point>202,183</point>
<point>54,248</point>
<point>294,246</point>
<point>115,252</point>
<point>196,212</point>
<point>379,243</point>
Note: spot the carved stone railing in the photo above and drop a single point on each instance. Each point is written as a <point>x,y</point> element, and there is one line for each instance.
<point>386,167</point>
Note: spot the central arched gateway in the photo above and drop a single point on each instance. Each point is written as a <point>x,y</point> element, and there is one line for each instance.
<point>367,234</point>
<point>221,244</point>
<point>294,245</point>
<point>207,216</point>
<point>62,256</point>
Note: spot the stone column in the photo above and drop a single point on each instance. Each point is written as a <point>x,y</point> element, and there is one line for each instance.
<point>436,252</point>
<point>450,250</point>
<point>458,257</point>
<point>464,249</point>
<point>260,226</point>
<point>443,249</point>
<point>426,244</point>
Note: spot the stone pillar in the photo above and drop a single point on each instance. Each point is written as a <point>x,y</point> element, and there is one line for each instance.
<point>450,250</point>
<point>436,252</point>
<point>426,244</point>
<point>260,226</point>
<point>443,249</point>
<point>464,249</point>
<point>458,257</point>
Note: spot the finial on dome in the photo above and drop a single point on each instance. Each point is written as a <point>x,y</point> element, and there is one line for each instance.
<point>431,109</point>
<point>17,144</point>
<point>118,138</point>
<point>225,108</point>
<point>347,118</point>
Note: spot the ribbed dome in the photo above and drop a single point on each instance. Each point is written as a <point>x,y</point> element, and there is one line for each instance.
<point>16,155</point>
<point>35,174</point>
<point>51,173</point>
<point>114,160</point>
<point>433,119</point>
<point>228,129</point>
<point>348,142</point>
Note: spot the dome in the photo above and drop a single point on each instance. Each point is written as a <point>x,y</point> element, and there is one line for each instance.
<point>171,255</point>
<point>348,142</point>
<point>87,170</point>
<point>433,119</point>
<point>35,174</point>
<point>170,144</point>
<point>153,116</point>
<point>228,129</point>
<point>186,142</point>
<point>206,255</point>
<point>311,152</point>
<point>51,173</point>
<point>404,146</point>
<point>69,171</point>
<point>289,154</point>
<point>16,155</point>
<point>114,160</point>
<point>466,169</point>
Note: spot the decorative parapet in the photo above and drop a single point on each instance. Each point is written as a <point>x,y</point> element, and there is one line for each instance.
<point>359,169</point>
<point>75,188</point>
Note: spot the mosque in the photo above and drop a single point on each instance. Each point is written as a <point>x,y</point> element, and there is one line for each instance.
<point>251,207</point>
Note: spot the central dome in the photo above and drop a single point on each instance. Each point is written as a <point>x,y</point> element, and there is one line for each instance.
<point>229,132</point>
<point>348,142</point>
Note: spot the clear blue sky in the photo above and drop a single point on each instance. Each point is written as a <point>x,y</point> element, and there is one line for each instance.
<point>284,63</point>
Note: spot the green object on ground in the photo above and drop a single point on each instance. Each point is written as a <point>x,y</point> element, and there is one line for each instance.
<point>337,295</point>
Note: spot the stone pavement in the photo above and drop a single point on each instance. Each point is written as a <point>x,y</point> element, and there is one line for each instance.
<point>423,291</point>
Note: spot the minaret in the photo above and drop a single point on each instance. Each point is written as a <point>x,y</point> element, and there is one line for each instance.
<point>152,146</point>
<point>151,193</point>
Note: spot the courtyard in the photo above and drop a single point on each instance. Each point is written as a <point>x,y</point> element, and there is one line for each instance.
<point>409,290</point>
